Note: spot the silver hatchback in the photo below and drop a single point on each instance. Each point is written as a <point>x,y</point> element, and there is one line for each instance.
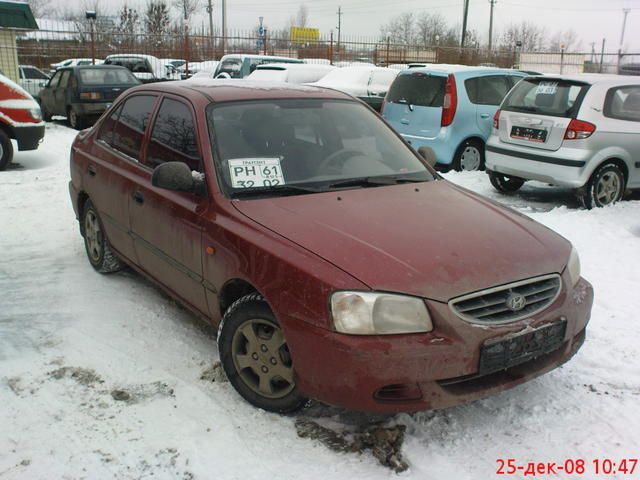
<point>580,131</point>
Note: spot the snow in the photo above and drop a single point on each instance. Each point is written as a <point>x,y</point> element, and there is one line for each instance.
<point>71,338</point>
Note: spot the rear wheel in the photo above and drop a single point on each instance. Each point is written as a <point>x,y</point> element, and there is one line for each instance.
<point>255,356</point>
<point>605,187</point>
<point>505,183</point>
<point>75,119</point>
<point>6,150</point>
<point>470,156</point>
<point>96,244</point>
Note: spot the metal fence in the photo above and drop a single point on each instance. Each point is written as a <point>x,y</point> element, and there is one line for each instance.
<point>61,40</point>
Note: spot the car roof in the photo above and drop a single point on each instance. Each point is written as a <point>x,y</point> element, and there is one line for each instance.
<point>241,90</point>
<point>454,68</point>
<point>592,78</point>
<point>265,57</point>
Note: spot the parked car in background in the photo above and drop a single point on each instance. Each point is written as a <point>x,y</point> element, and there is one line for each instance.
<point>449,108</point>
<point>240,65</point>
<point>32,79</point>
<point>576,131</point>
<point>83,93</point>
<point>369,84</point>
<point>290,72</point>
<point>20,120</point>
<point>74,62</point>
<point>629,69</point>
<point>207,67</point>
<point>399,310</point>
<point>174,62</point>
<point>145,67</point>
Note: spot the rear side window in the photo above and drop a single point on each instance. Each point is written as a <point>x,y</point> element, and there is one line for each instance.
<point>418,89</point>
<point>623,103</point>
<point>133,120</point>
<point>231,67</point>
<point>489,90</point>
<point>553,97</point>
<point>106,129</point>
<point>64,80</point>
<point>173,138</point>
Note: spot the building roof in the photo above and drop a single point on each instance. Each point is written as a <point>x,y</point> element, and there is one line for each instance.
<point>16,15</point>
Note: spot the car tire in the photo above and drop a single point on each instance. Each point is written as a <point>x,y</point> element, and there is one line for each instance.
<point>505,183</point>
<point>254,355</point>
<point>6,150</point>
<point>96,243</point>
<point>76,120</point>
<point>469,156</point>
<point>605,187</point>
<point>46,116</point>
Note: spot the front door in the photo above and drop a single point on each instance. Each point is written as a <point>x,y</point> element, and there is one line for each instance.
<point>166,225</point>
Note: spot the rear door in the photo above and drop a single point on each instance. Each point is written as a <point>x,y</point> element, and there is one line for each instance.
<point>486,92</point>
<point>116,160</point>
<point>59,93</point>
<point>167,225</point>
<point>413,105</point>
<point>538,110</point>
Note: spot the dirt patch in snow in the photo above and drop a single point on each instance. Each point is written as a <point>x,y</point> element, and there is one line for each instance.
<point>83,376</point>
<point>215,373</point>
<point>384,442</point>
<point>139,393</point>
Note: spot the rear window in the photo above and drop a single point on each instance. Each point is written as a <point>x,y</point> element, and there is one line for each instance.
<point>418,89</point>
<point>107,76</point>
<point>133,64</point>
<point>488,90</point>
<point>553,97</point>
<point>231,67</point>
<point>623,103</point>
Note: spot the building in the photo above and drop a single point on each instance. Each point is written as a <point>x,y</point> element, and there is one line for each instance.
<point>15,17</point>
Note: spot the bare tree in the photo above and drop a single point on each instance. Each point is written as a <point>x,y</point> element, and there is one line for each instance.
<point>186,8</point>
<point>41,8</point>
<point>156,18</point>
<point>399,29</point>
<point>302,17</point>
<point>531,36</point>
<point>567,39</point>
<point>430,28</point>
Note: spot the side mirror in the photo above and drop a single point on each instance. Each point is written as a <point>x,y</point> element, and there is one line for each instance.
<point>429,155</point>
<point>175,176</point>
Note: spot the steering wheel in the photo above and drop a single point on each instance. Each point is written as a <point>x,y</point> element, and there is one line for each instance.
<point>343,154</point>
<point>223,75</point>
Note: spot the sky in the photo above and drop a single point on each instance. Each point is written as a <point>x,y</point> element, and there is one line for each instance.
<point>593,20</point>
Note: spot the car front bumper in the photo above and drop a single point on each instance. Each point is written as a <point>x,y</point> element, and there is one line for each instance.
<point>29,137</point>
<point>564,167</point>
<point>404,373</point>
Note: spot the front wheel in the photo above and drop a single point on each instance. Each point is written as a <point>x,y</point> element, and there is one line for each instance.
<point>255,356</point>
<point>75,119</point>
<point>469,157</point>
<point>505,183</point>
<point>605,187</point>
<point>6,150</point>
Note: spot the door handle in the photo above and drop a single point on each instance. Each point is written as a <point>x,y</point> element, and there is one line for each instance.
<point>138,197</point>
<point>484,115</point>
<point>92,170</point>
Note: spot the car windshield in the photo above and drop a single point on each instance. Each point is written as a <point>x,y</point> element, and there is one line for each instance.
<point>554,97</point>
<point>107,76</point>
<point>231,67</point>
<point>300,146</point>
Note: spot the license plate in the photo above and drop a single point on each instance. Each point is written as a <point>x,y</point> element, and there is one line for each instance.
<point>530,134</point>
<point>502,353</point>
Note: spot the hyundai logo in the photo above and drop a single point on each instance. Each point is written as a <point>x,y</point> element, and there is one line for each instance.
<point>516,302</point>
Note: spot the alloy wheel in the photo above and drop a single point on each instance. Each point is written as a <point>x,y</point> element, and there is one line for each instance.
<point>608,188</point>
<point>261,358</point>
<point>470,159</point>
<point>93,235</point>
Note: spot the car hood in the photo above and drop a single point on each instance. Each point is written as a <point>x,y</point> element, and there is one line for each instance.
<point>433,240</point>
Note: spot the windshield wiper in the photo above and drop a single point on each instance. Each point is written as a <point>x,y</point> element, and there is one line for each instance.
<point>523,108</point>
<point>375,181</point>
<point>290,189</point>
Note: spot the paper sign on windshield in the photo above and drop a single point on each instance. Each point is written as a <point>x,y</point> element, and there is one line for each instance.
<point>547,88</point>
<point>255,172</point>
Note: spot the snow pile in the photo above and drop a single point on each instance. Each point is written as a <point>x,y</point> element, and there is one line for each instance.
<point>102,376</point>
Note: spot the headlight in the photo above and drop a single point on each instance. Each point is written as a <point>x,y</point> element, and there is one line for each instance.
<point>35,113</point>
<point>573,267</point>
<point>366,313</point>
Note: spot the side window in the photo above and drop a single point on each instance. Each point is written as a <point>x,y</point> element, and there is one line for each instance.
<point>34,73</point>
<point>623,103</point>
<point>489,90</point>
<point>73,82</point>
<point>106,129</point>
<point>173,138</point>
<point>55,79</point>
<point>133,120</point>
<point>64,79</point>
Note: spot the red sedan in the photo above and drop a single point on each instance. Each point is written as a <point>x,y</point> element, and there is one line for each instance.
<point>338,265</point>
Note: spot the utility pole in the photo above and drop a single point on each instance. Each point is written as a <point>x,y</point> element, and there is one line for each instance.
<point>465,13</point>
<point>224,26</point>
<point>210,12</point>
<point>492,3</point>
<point>624,24</point>
<point>339,27</point>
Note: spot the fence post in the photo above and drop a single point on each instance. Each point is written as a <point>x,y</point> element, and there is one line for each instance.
<point>388,41</point>
<point>264,42</point>
<point>601,56</point>
<point>561,60</point>
<point>331,48</point>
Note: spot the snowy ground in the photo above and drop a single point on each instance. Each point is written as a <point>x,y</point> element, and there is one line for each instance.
<point>70,337</point>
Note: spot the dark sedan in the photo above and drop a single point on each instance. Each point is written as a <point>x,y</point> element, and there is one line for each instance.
<point>83,93</point>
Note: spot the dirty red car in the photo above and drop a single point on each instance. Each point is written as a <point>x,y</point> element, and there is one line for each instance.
<point>338,265</point>
<point>20,120</point>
